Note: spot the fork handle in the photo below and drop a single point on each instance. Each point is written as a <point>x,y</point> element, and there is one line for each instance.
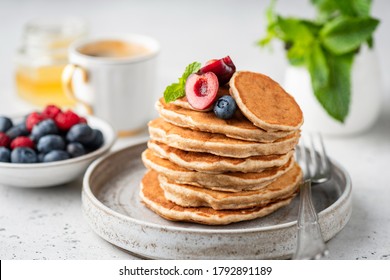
<point>310,243</point>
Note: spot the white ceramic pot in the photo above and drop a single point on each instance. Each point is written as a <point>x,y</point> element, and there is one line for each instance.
<point>366,98</point>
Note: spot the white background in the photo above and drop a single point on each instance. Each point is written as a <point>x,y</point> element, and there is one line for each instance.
<point>47,223</point>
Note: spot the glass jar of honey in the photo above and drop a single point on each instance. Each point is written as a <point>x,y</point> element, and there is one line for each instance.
<point>42,57</point>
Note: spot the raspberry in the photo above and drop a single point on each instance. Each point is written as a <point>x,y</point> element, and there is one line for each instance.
<point>33,119</point>
<point>51,111</point>
<point>83,120</point>
<point>65,120</point>
<point>22,141</point>
<point>4,140</point>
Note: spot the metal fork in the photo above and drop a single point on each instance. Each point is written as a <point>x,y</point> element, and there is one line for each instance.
<point>316,169</point>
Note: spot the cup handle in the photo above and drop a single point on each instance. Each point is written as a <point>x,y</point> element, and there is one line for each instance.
<point>67,79</point>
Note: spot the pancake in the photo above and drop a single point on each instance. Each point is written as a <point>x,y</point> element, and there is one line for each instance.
<point>189,196</point>
<point>153,197</point>
<point>238,127</point>
<point>230,181</point>
<point>264,102</point>
<point>209,163</point>
<point>217,144</point>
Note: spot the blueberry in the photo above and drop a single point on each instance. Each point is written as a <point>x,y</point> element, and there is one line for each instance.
<point>5,124</point>
<point>75,149</point>
<point>40,157</point>
<point>56,155</point>
<point>43,128</point>
<point>24,155</point>
<point>5,154</point>
<point>50,142</point>
<point>96,141</point>
<point>17,130</point>
<point>81,133</point>
<point>225,107</point>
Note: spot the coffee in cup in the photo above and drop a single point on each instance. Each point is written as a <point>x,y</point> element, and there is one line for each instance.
<point>114,78</point>
<point>114,49</point>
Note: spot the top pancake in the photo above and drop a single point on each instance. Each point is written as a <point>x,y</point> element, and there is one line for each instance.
<point>238,127</point>
<point>264,102</point>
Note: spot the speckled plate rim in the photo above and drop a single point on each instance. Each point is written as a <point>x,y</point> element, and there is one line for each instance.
<point>88,192</point>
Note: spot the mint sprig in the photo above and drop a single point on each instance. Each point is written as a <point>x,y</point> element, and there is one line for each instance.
<point>177,90</point>
<point>326,46</point>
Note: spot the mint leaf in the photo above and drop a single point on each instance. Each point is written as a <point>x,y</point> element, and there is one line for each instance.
<point>177,90</point>
<point>190,69</point>
<point>328,9</point>
<point>345,34</point>
<point>271,20</point>
<point>362,7</point>
<point>318,67</point>
<point>297,54</point>
<point>173,92</point>
<point>292,30</point>
<point>335,96</point>
<point>325,46</point>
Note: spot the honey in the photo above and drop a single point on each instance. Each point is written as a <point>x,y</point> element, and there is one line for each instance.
<point>42,58</point>
<point>42,86</point>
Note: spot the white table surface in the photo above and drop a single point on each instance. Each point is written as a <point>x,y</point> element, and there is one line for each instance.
<point>46,223</point>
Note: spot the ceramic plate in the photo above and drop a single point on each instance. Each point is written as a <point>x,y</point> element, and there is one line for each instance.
<point>113,209</point>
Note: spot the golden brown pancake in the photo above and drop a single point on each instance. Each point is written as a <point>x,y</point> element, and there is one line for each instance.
<point>209,163</point>
<point>189,196</point>
<point>153,197</point>
<point>230,181</point>
<point>217,144</point>
<point>238,127</point>
<point>264,102</point>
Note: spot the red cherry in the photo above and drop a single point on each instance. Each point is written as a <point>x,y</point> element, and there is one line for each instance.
<point>201,90</point>
<point>224,68</point>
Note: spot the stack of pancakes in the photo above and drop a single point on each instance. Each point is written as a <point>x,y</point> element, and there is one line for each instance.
<point>212,171</point>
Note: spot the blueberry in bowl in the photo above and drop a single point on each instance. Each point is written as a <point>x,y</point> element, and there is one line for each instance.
<point>35,151</point>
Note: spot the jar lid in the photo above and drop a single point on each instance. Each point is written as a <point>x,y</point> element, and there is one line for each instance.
<point>46,40</point>
<point>51,33</point>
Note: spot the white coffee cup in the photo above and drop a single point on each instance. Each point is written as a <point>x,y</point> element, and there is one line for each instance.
<point>114,78</point>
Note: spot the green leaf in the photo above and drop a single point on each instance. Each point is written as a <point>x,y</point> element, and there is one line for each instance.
<point>177,90</point>
<point>173,92</point>
<point>292,30</point>
<point>362,7</point>
<point>297,54</point>
<point>370,42</point>
<point>271,19</point>
<point>192,68</point>
<point>270,12</point>
<point>335,96</point>
<point>346,7</point>
<point>328,9</point>
<point>318,67</point>
<point>346,34</point>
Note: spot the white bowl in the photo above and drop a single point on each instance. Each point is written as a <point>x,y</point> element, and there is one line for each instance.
<point>49,174</point>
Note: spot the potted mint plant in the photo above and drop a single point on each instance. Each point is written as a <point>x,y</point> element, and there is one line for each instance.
<point>332,72</point>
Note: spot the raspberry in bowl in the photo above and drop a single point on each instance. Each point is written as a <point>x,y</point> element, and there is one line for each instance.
<point>51,147</point>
